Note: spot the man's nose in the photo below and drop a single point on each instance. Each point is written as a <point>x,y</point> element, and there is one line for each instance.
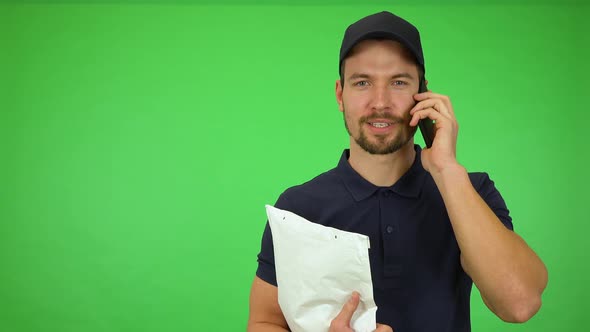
<point>381,98</point>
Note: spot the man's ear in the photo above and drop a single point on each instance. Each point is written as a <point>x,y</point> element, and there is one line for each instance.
<point>339,95</point>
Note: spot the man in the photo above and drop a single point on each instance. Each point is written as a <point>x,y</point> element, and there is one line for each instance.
<point>434,228</point>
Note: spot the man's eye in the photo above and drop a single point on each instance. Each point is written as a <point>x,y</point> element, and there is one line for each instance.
<point>399,83</point>
<point>361,83</point>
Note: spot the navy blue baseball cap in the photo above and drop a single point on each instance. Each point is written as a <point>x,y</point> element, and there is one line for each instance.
<point>382,25</point>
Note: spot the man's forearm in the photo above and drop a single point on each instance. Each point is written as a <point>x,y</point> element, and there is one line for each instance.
<point>509,275</point>
<point>265,327</point>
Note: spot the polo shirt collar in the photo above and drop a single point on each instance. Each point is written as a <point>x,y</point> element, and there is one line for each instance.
<point>409,185</point>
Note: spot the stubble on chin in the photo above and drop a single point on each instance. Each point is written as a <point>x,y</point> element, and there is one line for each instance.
<point>382,143</point>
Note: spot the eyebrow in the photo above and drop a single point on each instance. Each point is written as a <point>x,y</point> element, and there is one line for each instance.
<point>362,75</point>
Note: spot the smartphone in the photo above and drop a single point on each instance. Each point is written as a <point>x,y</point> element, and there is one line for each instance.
<point>426,125</point>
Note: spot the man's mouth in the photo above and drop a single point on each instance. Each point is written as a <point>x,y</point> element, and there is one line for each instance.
<point>380,124</point>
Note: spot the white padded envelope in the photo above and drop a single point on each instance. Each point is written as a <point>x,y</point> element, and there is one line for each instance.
<point>317,269</point>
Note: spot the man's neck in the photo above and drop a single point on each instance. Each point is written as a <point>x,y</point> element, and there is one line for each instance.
<point>382,170</point>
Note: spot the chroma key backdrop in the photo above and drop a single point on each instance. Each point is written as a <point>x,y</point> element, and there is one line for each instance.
<point>140,140</point>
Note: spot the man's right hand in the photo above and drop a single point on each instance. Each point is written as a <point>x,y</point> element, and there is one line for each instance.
<point>342,322</point>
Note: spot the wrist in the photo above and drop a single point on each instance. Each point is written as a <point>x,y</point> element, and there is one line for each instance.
<point>449,173</point>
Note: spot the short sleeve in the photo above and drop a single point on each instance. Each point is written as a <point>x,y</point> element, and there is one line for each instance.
<point>488,192</point>
<point>266,258</point>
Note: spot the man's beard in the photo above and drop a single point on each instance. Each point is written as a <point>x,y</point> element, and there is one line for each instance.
<point>383,145</point>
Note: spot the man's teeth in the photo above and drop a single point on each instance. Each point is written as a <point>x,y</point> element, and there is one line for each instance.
<point>380,124</point>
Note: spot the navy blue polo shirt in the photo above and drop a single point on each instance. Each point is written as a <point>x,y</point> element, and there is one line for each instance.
<point>418,281</point>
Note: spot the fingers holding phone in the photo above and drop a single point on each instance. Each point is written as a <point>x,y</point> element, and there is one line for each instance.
<point>436,109</point>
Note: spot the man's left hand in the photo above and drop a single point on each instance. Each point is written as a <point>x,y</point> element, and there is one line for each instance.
<point>437,107</point>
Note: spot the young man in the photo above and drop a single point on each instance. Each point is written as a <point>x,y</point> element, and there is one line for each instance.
<point>434,228</point>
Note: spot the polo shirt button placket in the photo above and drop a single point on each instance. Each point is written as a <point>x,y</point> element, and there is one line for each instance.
<point>392,267</point>
<point>389,229</point>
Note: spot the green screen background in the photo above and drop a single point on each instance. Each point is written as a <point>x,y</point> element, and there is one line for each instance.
<point>140,141</point>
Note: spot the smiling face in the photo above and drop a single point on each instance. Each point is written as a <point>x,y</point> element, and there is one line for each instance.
<point>380,79</point>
